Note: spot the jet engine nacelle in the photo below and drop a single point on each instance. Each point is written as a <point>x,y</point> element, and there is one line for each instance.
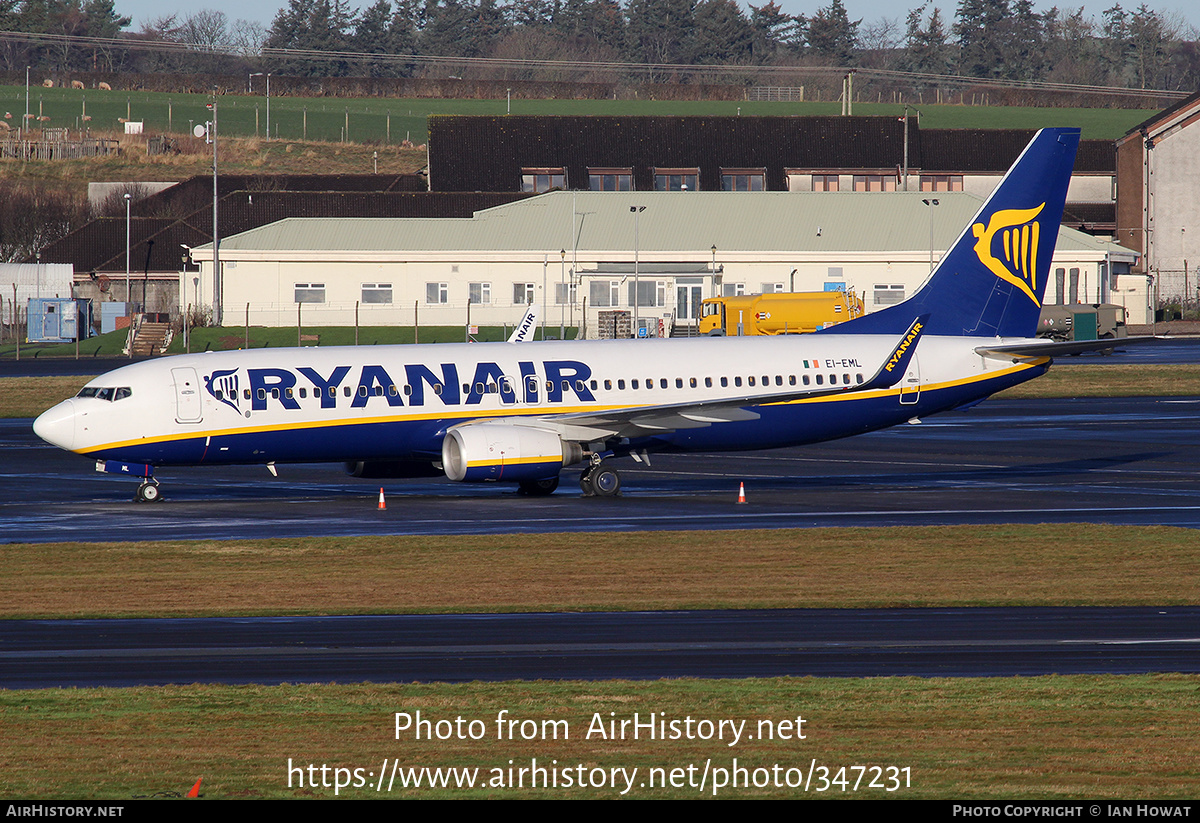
<point>494,451</point>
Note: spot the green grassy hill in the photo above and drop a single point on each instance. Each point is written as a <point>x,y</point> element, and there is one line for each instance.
<point>390,121</point>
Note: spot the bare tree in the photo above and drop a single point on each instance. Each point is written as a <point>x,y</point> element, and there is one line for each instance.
<point>206,29</point>
<point>247,37</point>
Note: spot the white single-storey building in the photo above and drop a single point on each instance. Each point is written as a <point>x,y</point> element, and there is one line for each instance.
<point>577,254</point>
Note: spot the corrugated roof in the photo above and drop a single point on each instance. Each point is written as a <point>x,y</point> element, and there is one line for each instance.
<point>672,222</point>
<point>100,244</point>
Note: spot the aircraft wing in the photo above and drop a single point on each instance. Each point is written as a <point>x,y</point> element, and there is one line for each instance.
<point>638,421</point>
<point>1050,348</point>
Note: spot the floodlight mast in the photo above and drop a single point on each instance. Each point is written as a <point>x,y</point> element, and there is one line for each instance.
<point>217,284</point>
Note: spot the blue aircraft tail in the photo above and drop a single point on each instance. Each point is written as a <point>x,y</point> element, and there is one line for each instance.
<point>991,282</point>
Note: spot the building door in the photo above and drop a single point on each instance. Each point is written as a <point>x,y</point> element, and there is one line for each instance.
<point>50,323</point>
<point>687,302</point>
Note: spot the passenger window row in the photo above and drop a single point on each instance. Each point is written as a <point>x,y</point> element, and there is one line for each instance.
<point>507,386</point>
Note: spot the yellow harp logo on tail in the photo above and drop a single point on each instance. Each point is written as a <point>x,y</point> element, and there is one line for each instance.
<point>1019,235</point>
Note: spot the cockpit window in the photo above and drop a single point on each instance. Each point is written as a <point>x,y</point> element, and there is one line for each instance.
<point>105,393</point>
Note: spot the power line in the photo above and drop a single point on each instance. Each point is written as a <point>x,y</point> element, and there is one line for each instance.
<point>585,66</point>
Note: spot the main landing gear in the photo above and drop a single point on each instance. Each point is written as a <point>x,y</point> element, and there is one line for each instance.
<point>538,488</point>
<point>600,479</point>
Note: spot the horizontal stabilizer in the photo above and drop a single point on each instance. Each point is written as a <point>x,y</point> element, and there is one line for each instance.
<point>1050,348</point>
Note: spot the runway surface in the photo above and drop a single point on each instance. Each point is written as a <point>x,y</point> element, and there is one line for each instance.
<point>450,648</point>
<point>1121,461</point>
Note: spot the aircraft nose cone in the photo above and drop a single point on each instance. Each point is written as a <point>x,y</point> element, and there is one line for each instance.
<point>56,425</point>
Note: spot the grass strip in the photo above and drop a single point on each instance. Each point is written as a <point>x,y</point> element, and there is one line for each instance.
<point>1111,380</point>
<point>1046,565</point>
<point>1129,737</point>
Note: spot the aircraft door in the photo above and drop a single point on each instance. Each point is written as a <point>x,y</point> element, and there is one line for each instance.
<point>187,395</point>
<point>910,386</point>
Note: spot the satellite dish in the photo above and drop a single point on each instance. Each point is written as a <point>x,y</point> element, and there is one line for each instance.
<point>200,130</point>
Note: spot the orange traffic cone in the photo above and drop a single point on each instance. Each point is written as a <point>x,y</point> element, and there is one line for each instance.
<point>382,504</point>
<point>741,492</point>
<point>195,792</point>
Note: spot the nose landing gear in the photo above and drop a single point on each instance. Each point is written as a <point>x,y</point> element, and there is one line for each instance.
<point>148,492</point>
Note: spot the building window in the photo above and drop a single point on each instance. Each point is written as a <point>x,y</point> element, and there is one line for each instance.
<point>825,182</point>
<point>733,289</point>
<point>772,288</point>
<point>676,179</point>
<point>436,293</point>
<point>377,292</point>
<point>564,294</point>
<point>743,179</point>
<point>650,293</point>
<point>479,292</point>
<point>941,182</point>
<point>522,294</point>
<point>540,180</point>
<point>310,292</point>
<point>603,293</point>
<point>874,182</point>
<point>610,179</point>
<point>887,295</point>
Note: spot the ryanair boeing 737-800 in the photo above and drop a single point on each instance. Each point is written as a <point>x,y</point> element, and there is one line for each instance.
<point>522,412</point>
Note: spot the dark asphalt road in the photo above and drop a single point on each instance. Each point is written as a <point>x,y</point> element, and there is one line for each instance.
<point>456,648</point>
<point>1123,461</point>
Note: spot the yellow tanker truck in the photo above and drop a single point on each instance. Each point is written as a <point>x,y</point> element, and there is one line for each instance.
<point>780,313</point>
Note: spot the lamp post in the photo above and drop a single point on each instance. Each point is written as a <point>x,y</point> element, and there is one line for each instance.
<point>128,296</point>
<point>637,210</point>
<point>210,133</point>
<point>930,203</point>
<point>714,270</point>
<point>187,332</point>
<point>562,307</point>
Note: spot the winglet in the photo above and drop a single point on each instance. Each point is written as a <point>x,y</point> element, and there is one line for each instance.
<point>896,365</point>
<point>524,330</point>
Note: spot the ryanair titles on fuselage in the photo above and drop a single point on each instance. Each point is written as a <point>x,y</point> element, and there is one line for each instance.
<point>413,384</point>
